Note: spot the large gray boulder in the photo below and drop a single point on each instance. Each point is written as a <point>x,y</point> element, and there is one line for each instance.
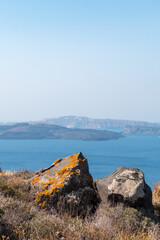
<point>125,185</point>
<point>66,186</point>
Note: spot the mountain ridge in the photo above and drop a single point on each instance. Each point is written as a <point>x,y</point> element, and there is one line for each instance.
<point>91,123</point>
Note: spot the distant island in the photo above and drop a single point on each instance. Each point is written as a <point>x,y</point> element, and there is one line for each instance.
<point>91,123</point>
<point>77,128</point>
<point>138,130</point>
<point>50,131</point>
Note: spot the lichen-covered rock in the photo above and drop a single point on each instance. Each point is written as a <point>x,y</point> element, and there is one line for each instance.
<point>66,186</point>
<point>125,185</point>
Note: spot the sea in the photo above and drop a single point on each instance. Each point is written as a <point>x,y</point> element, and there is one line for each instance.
<point>104,157</point>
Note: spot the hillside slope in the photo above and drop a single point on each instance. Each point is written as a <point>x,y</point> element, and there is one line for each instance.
<point>47,131</point>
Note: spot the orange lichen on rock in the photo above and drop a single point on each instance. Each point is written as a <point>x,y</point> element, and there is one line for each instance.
<point>36,179</point>
<point>42,204</point>
<point>57,161</point>
<point>57,179</point>
<point>46,172</point>
<point>66,186</point>
<point>44,185</point>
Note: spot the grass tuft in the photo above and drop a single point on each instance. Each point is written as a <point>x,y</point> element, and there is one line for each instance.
<point>156,198</point>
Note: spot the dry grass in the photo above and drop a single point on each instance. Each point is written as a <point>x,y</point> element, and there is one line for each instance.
<point>20,219</point>
<point>6,173</point>
<point>25,174</point>
<point>156,193</point>
<point>156,198</point>
<point>14,186</point>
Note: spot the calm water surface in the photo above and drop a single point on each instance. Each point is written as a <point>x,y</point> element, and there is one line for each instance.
<point>104,157</point>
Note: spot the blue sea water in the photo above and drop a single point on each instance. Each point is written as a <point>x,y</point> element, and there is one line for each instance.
<point>104,157</point>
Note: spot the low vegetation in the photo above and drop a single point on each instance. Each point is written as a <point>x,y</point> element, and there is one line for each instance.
<point>21,219</point>
<point>156,199</point>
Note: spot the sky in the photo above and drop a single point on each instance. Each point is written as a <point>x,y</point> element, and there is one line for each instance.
<point>94,58</point>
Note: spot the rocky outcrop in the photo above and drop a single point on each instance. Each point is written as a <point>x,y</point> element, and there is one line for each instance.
<point>126,185</point>
<point>66,186</point>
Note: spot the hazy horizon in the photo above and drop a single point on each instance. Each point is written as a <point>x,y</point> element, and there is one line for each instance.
<point>98,59</point>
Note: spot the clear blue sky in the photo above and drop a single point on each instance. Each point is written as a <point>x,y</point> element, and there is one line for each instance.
<point>90,58</point>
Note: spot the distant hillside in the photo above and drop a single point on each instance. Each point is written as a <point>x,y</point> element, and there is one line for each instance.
<point>89,123</point>
<point>47,131</point>
<point>137,130</point>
